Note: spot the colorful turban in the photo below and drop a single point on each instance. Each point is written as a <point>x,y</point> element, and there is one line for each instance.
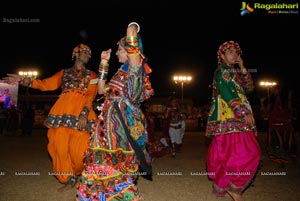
<point>227,45</point>
<point>81,48</point>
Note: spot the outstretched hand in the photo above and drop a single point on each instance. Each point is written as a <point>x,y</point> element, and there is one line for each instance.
<point>11,78</point>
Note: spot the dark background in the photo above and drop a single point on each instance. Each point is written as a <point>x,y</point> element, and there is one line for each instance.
<point>177,37</point>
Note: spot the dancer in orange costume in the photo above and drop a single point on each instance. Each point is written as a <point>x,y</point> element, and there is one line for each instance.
<point>72,117</point>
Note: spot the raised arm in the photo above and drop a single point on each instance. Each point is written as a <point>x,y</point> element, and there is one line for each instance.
<point>103,71</point>
<point>132,46</point>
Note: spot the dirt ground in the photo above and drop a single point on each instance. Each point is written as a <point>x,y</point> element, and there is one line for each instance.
<point>175,179</point>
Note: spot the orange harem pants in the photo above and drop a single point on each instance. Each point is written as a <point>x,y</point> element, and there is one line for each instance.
<point>66,147</point>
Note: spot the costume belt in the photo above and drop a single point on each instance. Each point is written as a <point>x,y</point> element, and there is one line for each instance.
<point>74,91</point>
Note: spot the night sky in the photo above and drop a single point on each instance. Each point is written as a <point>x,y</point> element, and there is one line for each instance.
<point>176,38</point>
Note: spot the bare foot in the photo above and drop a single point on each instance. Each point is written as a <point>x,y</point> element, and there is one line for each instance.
<point>138,198</point>
<point>235,196</point>
<point>214,197</point>
<point>70,183</point>
<point>227,195</point>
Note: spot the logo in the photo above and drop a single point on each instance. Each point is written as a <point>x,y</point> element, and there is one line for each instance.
<point>269,8</point>
<point>246,9</point>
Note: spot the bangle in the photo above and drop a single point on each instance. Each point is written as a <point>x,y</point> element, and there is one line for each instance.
<point>103,65</point>
<point>132,41</point>
<point>132,50</point>
<point>103,71</point>
<point>133,54</point>
<point>132,45</point>
<point>102,74</point>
